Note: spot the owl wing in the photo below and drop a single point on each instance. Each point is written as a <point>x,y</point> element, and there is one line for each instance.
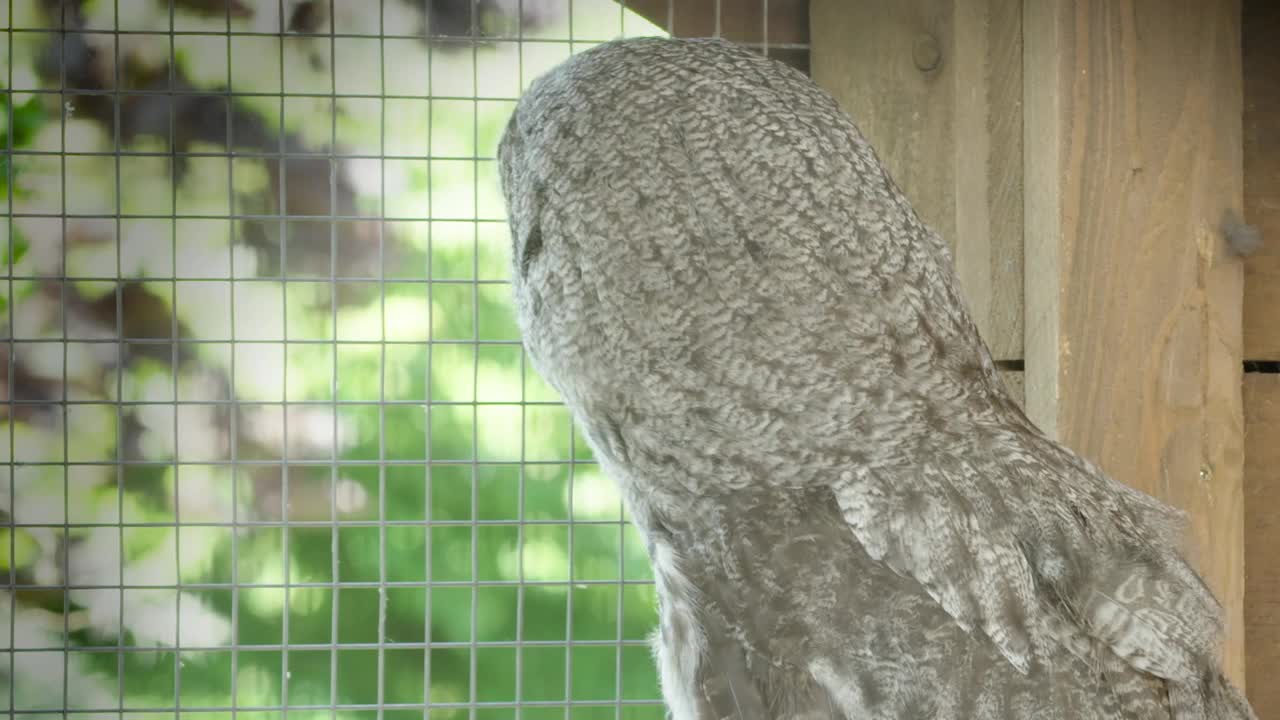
<point>1037,562</point>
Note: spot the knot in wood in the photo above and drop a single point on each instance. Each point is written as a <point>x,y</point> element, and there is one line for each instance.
<point>926,53</point>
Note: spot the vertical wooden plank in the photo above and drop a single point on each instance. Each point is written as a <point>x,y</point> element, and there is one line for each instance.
<point>935,86</point>
<point>892,67</point>
<point>1261,30</point>
<point>1260,27</point>
<point>1001,267</point>
<point>1262,537</point>
<point>1044,81</point>
<point>1133,154</point>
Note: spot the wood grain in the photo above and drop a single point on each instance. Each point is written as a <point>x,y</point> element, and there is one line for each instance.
<point>1133,154</point>
<point>1262,538</point>
<point>936,87</point>
<point>1044,81</point>
<point>1261,28</point>
<point>1261,68</point>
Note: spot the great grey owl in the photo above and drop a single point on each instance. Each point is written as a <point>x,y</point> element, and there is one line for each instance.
<point>847,515</point>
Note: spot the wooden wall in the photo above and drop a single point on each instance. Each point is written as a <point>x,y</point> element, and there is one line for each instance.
<point>1135,359</point>
<point>935,87</point>
<point>1262,538</point>
<point>1261,40</point>
<point>1262,176</point>
<point>1080,155</point>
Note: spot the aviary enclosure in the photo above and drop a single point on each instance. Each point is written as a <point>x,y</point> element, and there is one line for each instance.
<point>272,443</point>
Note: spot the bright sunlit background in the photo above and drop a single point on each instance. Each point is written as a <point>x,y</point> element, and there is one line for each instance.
<point>272,442</point>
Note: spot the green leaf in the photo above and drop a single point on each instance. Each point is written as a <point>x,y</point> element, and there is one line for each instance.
<point>27,119</point>
<point>20,248</point>
<point>19,545</point>
<point>23,289</point>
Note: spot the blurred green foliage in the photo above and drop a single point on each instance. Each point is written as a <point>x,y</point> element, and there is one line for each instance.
<point>19,127</point>
<point>302,460</point>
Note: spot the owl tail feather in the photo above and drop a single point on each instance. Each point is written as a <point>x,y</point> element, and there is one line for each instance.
<point>1214,699</point>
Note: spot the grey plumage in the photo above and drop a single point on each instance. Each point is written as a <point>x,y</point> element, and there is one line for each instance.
<point>768,351</point>
<point>1243,238</point>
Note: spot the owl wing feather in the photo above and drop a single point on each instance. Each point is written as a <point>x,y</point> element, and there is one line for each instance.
<point>1042,580</point>
<point>1022,563</point>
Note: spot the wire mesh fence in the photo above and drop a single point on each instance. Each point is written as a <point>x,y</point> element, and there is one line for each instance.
<point>272,443</point>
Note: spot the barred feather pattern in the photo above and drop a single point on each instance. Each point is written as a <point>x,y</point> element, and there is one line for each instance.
<point>768,351</point>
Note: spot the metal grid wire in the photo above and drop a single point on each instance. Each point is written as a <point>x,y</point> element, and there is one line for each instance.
<point>273,445</point>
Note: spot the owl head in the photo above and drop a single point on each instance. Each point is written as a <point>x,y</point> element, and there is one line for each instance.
<point>703,245</point>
